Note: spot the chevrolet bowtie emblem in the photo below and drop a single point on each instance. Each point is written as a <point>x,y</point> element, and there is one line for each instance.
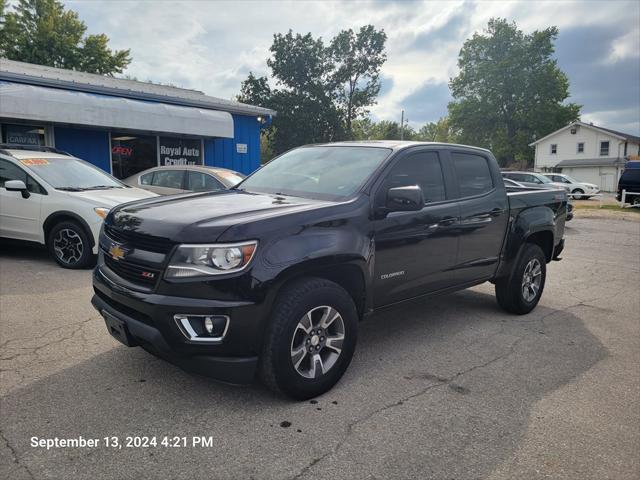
<point>116,252</point>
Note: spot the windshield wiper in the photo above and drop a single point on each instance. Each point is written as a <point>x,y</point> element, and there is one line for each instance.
<point>71,189</point>
<point>101,187</point>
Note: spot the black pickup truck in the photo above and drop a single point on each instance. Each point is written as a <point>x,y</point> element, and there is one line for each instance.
<point>272,277</point>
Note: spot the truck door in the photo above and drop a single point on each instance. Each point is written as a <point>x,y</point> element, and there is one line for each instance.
<point>484,215</point>
<point>415,251</point>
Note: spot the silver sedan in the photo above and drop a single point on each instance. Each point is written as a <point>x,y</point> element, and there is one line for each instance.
<point>184,178</point>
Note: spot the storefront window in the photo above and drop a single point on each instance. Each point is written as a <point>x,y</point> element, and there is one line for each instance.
<point>23,134</point>
<point>132,153</point>
<point>180,151</point>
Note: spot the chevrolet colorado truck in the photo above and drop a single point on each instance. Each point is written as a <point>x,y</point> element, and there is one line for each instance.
<point>272,277</point>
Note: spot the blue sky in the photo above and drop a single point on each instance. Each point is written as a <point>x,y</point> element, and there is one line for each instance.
<point>212,45</point>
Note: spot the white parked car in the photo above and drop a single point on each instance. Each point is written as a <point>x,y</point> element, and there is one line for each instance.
<point>532,179</point>
<point>579,190</point>
<point>57,200</point>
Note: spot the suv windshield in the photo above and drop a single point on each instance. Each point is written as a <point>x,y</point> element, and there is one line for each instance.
<point>68,173</point>
<point>323,172</point>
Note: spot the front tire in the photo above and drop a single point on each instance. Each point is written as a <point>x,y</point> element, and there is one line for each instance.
<point>310,340</point>
<point>578,194</point>
<point>69,245</point>
<point>521,291</point>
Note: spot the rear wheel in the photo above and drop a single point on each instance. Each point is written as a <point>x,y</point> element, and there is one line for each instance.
<point>69,245</point>
<point>521,291</point>
<point>310,340</point>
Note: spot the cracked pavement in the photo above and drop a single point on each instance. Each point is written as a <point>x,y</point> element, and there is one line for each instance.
<point>442,388</point>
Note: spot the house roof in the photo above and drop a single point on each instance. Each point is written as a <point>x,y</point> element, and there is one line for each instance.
<point>622,136</point>
<point>592,162</point>
<point>32,74</point>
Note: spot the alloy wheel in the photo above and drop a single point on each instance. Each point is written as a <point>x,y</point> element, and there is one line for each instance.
<point>317,341</point>
<point>68,246</point>
<point>531,280</point>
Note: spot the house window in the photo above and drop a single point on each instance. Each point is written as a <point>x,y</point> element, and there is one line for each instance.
<point>554,148</point>
<point>580,147</point>
<point>604,149</point>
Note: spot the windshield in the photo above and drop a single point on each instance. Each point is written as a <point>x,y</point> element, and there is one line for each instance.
<point>70,174</point>
<point>323,172</point>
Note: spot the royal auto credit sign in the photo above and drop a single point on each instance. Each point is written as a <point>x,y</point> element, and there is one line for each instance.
<point>174,151</point>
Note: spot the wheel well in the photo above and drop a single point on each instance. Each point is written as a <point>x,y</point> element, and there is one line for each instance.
<point>348,277</point>
<point>544,240</point>
<point>55,218</point>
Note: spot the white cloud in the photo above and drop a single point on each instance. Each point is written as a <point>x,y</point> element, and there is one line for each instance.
<point>212,45</point>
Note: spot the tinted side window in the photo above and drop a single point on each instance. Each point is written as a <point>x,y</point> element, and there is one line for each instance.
<point>168,178</point>
<point>474,175</point>
<point>201,182</point>
<point>10,171</point>
<point>421,169</point>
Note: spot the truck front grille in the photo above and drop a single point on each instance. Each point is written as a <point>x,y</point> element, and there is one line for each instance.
<point>139,240</point>
<point>135,273</point>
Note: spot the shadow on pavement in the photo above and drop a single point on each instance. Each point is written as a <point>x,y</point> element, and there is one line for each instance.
<point>440,388</point>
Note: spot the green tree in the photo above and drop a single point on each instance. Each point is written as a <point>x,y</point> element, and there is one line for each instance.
<point>509,91</point>
<point>366,129</point>
<point>43,32</point>
<point>317,90</point>
<point>358,58</point>
<point>439,131</point>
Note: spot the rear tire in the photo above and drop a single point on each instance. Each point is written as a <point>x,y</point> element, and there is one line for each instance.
<point>316,314</point>
<point>520,292</point>
<point>69,245</point>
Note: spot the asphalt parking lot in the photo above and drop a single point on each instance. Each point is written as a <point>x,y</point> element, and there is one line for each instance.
<point>445,388</point>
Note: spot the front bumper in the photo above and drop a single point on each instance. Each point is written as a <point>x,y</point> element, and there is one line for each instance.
<point>147,319</point>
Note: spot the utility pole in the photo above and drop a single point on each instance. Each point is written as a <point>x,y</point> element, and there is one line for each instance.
<point>402,126</point>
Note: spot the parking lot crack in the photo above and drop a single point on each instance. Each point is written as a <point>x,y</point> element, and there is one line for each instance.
<point>443,382</point>
<point>14,455</point>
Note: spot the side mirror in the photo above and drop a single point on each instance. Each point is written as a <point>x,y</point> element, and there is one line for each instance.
<point>405,199</point>
<point>17,186</point>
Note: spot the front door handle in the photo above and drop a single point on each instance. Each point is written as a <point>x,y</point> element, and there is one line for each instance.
<point>445,222</point>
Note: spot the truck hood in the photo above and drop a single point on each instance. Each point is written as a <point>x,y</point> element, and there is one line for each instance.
<point>203,217</point>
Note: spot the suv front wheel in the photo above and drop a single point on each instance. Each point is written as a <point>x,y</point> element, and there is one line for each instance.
<point>310,340</point>
<point>69,245</point>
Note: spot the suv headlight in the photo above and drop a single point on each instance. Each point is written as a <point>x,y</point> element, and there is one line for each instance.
<point>214,259</point>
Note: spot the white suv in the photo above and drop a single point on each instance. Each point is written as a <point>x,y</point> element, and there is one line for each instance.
<point>52,198</point>
<point>579,190</point>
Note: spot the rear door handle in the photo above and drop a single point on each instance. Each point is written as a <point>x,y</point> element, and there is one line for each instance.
<point>496,212</point>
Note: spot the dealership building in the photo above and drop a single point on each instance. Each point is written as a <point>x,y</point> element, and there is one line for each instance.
<point>125,126</point>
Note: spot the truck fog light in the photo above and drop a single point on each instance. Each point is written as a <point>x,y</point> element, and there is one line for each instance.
<point>203,328</point>
<point>208,325</point>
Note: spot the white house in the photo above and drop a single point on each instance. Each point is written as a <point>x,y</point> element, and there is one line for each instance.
<point>586,152</point>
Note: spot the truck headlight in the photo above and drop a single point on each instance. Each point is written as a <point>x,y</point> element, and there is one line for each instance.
<point>215,259</point>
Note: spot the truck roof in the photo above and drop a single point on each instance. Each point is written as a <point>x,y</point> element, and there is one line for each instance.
<point>395,144</point>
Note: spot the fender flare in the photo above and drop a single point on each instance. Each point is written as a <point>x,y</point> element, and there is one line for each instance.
<point>52,219</point>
